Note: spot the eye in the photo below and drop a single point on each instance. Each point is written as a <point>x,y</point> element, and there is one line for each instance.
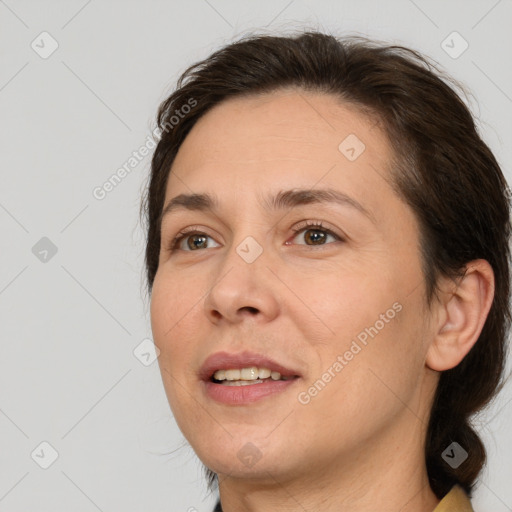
<point>317,233</point>
<point>193,238</point>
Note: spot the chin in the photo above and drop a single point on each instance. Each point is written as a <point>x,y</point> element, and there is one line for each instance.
<point>245,457</point>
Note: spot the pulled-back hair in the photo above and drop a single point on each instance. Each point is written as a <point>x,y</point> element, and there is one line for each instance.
<point>441,167</point>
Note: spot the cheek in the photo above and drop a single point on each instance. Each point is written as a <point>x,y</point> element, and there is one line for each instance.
<point>368,318</point>
<point>342,301</point>
<point>173,301</point>
<point>363,387</point>
<point>174,322</point>
<point>385,358</point>
<point>172,327</point>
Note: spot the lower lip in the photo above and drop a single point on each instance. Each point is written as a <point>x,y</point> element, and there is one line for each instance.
<point>240,395</point>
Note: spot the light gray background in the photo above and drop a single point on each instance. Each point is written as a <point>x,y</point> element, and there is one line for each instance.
<point>70,325</point>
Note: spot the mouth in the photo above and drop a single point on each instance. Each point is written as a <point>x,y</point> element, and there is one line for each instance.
<point>248,376</point>
<point>242,378</point>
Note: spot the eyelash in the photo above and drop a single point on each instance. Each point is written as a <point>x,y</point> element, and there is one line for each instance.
<point>302,226</point>
<point>317,226</point>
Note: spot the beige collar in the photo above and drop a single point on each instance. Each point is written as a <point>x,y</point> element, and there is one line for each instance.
<point>455,501</point>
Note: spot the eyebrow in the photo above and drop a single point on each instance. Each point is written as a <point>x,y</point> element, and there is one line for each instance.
<point>285,199</point>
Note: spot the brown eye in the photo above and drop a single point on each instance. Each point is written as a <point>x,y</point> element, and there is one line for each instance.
<point>193,241</point>
<point>315,234</point>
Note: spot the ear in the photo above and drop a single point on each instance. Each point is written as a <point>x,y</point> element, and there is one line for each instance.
<point>461,313</point>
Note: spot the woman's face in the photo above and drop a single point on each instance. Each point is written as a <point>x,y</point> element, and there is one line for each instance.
<point>340,306</point>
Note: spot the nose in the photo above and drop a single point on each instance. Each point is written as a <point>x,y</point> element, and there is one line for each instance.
<point>241,290</point>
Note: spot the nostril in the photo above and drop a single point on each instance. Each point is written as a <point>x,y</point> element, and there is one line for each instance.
<point>251,309</point>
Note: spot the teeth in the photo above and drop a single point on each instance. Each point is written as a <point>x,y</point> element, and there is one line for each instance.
<point>264,373</point>
<point>232,374</point>
<point>251,373</point>
<point>220,375</point>
<point>241,382</point>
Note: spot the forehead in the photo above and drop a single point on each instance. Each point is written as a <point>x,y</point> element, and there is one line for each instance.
<point>288,124</point>
<point>284,135</point>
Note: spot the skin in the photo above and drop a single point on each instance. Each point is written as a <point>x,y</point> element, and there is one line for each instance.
<point>359,442</point>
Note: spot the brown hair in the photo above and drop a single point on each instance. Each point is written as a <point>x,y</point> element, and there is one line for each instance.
<point>442,169</point>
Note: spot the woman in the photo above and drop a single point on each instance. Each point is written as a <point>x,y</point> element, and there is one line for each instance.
<point>328,263</point>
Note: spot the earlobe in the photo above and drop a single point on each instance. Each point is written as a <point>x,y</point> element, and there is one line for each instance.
<point>462,310</point>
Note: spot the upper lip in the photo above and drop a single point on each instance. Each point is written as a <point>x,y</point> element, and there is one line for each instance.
<point>227,361</point>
